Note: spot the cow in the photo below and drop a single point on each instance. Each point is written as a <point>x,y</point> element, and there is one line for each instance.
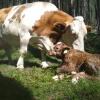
<point>77,63</point>
<point>41,24</point>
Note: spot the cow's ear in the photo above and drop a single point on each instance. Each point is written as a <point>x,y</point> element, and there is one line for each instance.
<point>59,27</point>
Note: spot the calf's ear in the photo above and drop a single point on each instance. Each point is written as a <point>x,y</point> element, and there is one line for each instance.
<point>65,46</point>
<point>66,49</point>
<point>59,27</point>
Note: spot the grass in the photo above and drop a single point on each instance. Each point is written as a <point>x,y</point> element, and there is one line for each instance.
<point>35,83</point>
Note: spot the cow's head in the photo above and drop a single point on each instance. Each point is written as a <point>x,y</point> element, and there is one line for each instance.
<point>76,32</point>
<point>51,27</point>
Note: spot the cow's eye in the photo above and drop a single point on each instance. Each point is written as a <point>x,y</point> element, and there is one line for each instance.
<point>53,35</point>
<point>57,48</point>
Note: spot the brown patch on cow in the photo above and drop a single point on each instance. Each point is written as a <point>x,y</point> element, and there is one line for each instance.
<point>3,13</point>
<point>16,16</point>
<point>52,24</point>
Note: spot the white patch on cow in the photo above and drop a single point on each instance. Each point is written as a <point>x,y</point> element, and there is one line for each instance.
<point>79,43</point>
<point>44,64</point>
<point>10,14</point>
<point>78,27</point>
<point>24,41</point>
<point>80,18</point>
<point>36,11</point>
<point>65,51</point>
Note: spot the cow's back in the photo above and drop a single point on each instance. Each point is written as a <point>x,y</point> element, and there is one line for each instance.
<point>32,14</point>
<point>25,16</point>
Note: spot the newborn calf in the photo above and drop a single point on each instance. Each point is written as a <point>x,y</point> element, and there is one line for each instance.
<point>77,63</point>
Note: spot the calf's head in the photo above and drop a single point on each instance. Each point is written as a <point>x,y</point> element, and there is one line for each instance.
<point>60,49</point>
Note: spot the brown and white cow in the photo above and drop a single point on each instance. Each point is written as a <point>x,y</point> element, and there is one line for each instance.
<point>41,24</point>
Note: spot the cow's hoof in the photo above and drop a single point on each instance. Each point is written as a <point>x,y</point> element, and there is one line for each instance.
<point>44,64</point>
<point>20,67</point>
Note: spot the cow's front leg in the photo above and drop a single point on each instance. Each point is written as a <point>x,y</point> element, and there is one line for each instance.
<point>23,50</point>
<point>20,63</point>
<point>44,64</point>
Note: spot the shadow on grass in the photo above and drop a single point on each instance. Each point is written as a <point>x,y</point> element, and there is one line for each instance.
<point>14,62</point>
<point>35,53</point>
<point>10,89</point>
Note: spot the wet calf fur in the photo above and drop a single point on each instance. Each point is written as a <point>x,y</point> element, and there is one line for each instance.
<point>78,63</point>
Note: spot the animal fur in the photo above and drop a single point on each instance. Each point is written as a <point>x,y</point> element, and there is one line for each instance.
<point>77,63</point>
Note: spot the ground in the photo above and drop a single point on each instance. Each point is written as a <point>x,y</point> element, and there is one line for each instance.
<point>35,83</point>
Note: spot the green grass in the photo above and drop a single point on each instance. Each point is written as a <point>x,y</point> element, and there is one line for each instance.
<point>35,83</point>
